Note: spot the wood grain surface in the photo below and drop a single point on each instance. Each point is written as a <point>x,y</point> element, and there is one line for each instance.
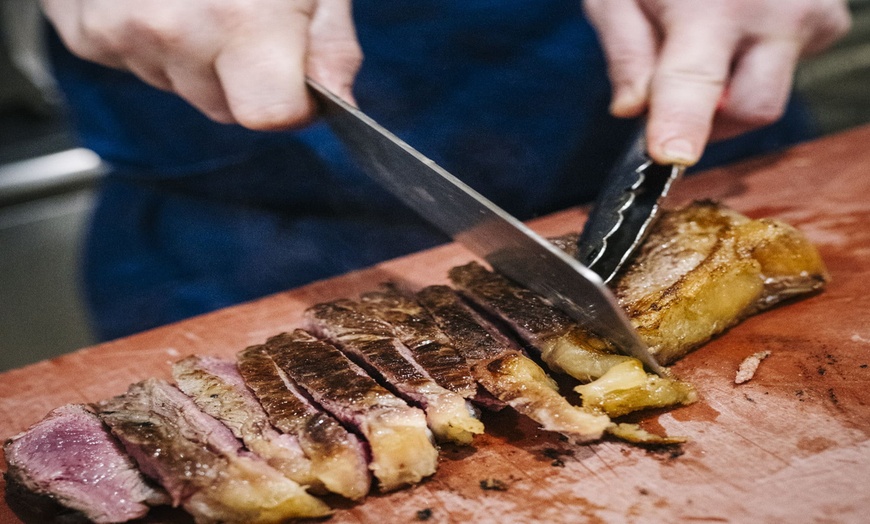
<point>791,445</point>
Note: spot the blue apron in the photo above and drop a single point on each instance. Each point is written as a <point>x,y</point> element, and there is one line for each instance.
<point>509,95</point>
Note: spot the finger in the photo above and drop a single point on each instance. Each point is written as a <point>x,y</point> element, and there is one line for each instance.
<point>262,70</point>
<point>759,88</point>
<point>833,21</point>
<point>334,54</point>
<point>79,26</point>
<point>150,74</point>
<point>686,88</point>
<point>64,15</point>
<point>630,45</point>
<point>201,88</point>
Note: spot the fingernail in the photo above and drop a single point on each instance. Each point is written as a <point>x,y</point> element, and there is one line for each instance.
<point>679,151</point>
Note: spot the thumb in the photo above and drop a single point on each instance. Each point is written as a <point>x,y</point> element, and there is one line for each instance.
<point>630,46</point>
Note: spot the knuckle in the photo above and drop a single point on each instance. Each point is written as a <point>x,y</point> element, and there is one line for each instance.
<point>98,38</point>
<point>826,18</point>
<point>841,21</point>
<point>231,13</point>
<point>167,32</point>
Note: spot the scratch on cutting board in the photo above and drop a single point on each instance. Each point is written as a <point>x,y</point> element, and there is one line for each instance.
<point>762,448</point>
<point>606,464</point>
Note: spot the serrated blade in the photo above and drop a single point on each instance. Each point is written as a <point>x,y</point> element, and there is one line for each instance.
<point>625,210</point>
<point>504,242</point>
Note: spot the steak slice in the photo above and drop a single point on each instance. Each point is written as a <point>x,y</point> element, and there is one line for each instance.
<point>198,460</point>
<point>69,464</point>
<point>337,457</point>
<point>421,335</point>
<point>476,338</point>
<point>372,343</point>
<point>501,368</point>
<point>400,442</point>
<point>564,345</point>
<point>219,390</point>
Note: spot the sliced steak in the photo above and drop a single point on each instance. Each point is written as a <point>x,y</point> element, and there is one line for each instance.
<point>219,390</point>
<point>400,442</point>
<point>69,464</point>
<point>337,456</point>
<point>473,336</point>
<point>504,371</point>
<point>371,342</point>
<point>568,347</point>
<point>564,345</point>
<point>198,460</point>
<point>420,334</point>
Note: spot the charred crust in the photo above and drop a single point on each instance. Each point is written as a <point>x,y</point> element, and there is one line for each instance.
<point>37,507</point>
<point>498,366</point>
<point>493,484</point>
<point>664,451</point>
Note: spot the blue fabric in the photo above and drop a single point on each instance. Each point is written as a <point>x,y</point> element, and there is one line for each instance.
<point>509,95</point>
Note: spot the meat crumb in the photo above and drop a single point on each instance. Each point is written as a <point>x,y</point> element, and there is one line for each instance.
<point>493,485</point>
<point>749,365</point>
<point>424,514</point>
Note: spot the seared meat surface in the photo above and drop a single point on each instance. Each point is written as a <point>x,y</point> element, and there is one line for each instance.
<point>337,457</point>
<point>219,390</point>
<point>372,342</point>
<point>563,344</point>
<point>400,441</point>
<point>419,333</point>
<point>704,268</point>
<point>474,337</point>
<point>198,460</point>
<point>505,372</point>
<point>69,464</point>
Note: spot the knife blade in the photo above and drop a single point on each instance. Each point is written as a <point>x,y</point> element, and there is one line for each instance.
<point>469,218</point>
<point>625,210</point>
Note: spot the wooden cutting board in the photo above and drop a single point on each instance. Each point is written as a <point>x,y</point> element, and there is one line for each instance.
<point>789,446</point>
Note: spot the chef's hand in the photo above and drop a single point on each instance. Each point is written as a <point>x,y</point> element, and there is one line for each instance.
<point>238,61</point>
<point>685,62</point>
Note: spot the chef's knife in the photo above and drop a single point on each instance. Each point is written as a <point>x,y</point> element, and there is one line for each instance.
<point>504,242</point>
<point>625,210</point>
